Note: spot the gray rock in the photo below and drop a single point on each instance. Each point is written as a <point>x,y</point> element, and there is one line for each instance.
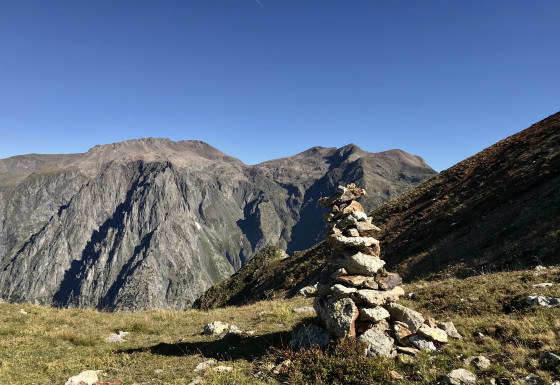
<point>197,381</point>
<point>533,379</point>
<point>542,300</point>
<point>480,362</point>
<point>341,291</point>
<point>117,337</point>
<point>375,314</point>
<point>308,336</point>
<point>204,365</point>
<point>410,317</point>
<point>378,344</point>
<point>542,285</point>
<point>339,315</point>
<point>460,377</point>
<point>388,280</point>
<point>549,360</point>
<point>222,369</point>
<point>216,328</point>
<point>361,264</point>
<point>361,281</point>
<point>367,245</point>
<point>450,329</point>
<point>87,377</point>
<point>304,309</point>
<point>379,297</point>
<point>308,291</point>
<point>422,343</point>
<point>434,334</point>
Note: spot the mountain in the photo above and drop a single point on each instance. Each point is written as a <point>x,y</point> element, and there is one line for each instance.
<point>153,223</point>
<point>497,210</point>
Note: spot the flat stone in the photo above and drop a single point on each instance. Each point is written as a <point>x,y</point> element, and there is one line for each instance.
<point>544,284</point>
<point>401,332</point>
<point>87,377</point>
<point>410,317</point>
<point>342,195</point>
<point>378,344</point>
<point>351,207</point>
<point>375,314</point>
<point>434,334</point>
<point>449,329</point>
<point>341,291</point>
<point>408,350</point>
<point>351,232</point>
<point>204,365</point>
<point>366,229</point>
<point>222,369</point>
<point>387,281</point>
<point>460,377</point>
<point>379,297</point>
<point>479,362</point>
<point>304,309</point>
<point>358,281</point>
<point>422,343</point>
<point>338,314</point>
<point>367,245</point>
<point>542,300</point>
<point>308,336</point>
<point>360,264</point>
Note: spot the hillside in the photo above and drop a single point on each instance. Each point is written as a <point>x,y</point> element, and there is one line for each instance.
<point>499,209</point>
<point>153,223</point>
<point>43,345</point>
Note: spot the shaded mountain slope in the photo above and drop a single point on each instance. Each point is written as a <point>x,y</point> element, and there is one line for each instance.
<point>497,209</point>
<point>152,223</point>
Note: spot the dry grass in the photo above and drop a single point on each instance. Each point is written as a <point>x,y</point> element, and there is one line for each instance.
<point>47,346</point>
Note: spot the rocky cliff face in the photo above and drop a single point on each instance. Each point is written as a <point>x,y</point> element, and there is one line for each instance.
<point>153,223</point>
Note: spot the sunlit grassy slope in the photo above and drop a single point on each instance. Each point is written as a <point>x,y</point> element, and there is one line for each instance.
<point>47,346</point>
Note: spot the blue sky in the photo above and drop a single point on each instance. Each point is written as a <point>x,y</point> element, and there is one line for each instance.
<point>266,79</point>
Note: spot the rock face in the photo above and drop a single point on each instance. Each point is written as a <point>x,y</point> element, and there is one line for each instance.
<point>153,223</point>
<point>359,310</point>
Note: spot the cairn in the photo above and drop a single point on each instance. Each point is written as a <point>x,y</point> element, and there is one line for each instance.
<point>360,302</point>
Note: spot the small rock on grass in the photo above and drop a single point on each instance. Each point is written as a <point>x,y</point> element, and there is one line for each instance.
<point>449,328</point>
<point>460,377</point>
<point>222,369</point>
<point>21,311</point>
<point>216,328</point>
<point>87,377</point>
<point>480,362</point>
<point>204,365</point>
<point>117,337</point>
<point>304,309</point>
<point>197,381</point>
<point>542,300</point>
<point>422,343</point>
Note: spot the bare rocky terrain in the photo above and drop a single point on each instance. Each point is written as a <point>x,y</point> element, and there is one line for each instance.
<point>153,223</point>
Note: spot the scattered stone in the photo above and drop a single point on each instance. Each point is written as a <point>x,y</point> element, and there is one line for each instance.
<point>204,365</point>
<point>216,328</point>
<point>376,314</point>
<point>117,337</point>
<point>21,311</point>
<point>449,328</point>
<point>378,344</point>
<point>305,309</point>
<point>158,371</point>
<point>308,336</point>
<point>412,318</point>
<point>338,314</point>
<point>387,280</point>
<point>460,377</point>
<point>358,281</point>
<point>540,268</point>
<point>361,264</point>
<point>422,343</point>
<point>197,381</point>
<point>87,377</point>
<point>542,300</point>
<point>222,369</point>
<point>308,291</point>
<point>434,334</point>
<point>549,360</point>
<point>542,285</point>
<point>479,362</point>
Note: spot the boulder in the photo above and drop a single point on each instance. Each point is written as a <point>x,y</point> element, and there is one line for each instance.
<point>360,264</point>
<point>375,314</point>
<point>308,336</point>
<point>216,328</point>
<point>338,314</point>
<point>410,317</point>
<point>449,329</point>
<point>358,281</point>
<point>378,344</point>
<point>460,377</point>
<point>379,297</point>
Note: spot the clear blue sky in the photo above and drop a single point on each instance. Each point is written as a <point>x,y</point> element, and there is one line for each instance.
<point>262,79</point>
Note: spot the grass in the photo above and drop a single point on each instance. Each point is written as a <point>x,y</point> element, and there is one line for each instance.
<point>47,346</point>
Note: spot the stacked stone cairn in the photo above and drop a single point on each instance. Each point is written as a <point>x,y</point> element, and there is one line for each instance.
<point>360,302</point>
